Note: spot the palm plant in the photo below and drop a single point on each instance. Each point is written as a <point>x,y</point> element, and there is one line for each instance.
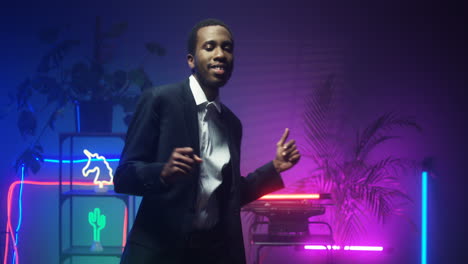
<point>360,187</point>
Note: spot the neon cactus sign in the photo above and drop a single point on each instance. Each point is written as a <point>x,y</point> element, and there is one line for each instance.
<point>98,222</point>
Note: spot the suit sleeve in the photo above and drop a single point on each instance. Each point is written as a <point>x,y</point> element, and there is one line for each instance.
<point>138,172</point>
<point>262,181</point>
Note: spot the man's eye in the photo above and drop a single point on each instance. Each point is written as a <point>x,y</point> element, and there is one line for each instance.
<point>228,48</point>
<point>209,47</point>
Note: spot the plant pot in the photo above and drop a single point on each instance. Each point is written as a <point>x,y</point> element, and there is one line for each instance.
<point>94,116</point>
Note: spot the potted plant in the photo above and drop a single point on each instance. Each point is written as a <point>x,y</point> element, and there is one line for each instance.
<point>88,83</point>
<point>360,187</point>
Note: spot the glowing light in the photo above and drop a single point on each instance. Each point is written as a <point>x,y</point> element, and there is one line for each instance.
<point>348,248</point>
<point>78,160</point>
<point>20,209</point>
<point>319,247</point>
<point>86,170</point>
<point>9,229</point>
<point>424,219</point>
<point>315,247</point>
<point>98,222</point>
<point>363,248</point>
<point>290,196</point>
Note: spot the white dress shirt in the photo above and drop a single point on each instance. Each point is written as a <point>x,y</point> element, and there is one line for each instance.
<point>214,152</point>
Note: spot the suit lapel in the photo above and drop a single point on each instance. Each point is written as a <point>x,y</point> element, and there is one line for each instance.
<point>191,118</point>
<point>229,130</point>
<point>225,119</point>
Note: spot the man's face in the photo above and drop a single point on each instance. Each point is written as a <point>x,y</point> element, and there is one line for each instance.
<point>213,60</point>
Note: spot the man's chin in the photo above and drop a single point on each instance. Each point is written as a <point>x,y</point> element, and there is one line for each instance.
<point>213,82</point>
<point>218,82</point>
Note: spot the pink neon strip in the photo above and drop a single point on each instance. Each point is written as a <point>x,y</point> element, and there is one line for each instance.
<point>290,196</point>
<point>9,229</point>
<point>124,231</point>
<point>318,247</point>
<point>348,248</point>
<point>363,248</point>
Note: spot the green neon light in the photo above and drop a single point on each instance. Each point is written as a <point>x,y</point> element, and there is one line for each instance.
<point>86,170</point>
<point>98,222</point>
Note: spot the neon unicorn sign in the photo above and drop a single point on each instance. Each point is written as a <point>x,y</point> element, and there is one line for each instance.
<point>87,169</point>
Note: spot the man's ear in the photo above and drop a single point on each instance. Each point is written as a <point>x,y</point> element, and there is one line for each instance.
<point>191,61</point>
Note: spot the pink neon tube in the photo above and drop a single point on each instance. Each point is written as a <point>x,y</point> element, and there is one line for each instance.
<point>319,247</point>
<point>348,248</point>
<point>363,248</point>
<point>9,229</point>
<point>290,196</point>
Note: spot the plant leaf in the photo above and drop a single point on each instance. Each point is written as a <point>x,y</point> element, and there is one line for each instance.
<point>27,123</point>
<point>373,135</point>
<point>23,93</point>
<point>31,158</point>
<point>44,84</point>
<point>155,48</point>
<point>140,78</point>
<point>54,57</point>
<point>81,82</point>
<point>49,35</point>
<point>116,30</point>
<point>118,80</point>
<point>54,116</point>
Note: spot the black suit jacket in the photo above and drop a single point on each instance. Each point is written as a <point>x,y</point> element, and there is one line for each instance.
<point>166,118</point>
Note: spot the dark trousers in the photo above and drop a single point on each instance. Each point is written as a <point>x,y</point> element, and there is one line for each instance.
<point>139,254</point>
<point>203,247</point>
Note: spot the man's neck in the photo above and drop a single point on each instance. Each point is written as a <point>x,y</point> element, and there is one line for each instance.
<point>210,92</point>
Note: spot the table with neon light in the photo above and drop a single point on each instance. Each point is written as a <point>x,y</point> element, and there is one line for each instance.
<point>288,221</point>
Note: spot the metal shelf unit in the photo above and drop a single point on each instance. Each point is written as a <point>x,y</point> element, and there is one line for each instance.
<point>67,192</point>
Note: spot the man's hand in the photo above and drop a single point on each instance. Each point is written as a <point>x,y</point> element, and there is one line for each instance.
<point>287,154</point>
<point>180,164</point>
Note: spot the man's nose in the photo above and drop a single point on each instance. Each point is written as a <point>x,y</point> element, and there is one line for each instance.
<point>219,53</point>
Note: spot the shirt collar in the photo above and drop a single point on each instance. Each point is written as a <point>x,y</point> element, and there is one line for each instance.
<point>199,95</point>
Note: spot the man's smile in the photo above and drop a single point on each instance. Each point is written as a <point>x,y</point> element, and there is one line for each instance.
<point>218,69</point>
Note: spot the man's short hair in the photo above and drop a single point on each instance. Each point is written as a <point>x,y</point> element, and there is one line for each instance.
<point>192,39</point>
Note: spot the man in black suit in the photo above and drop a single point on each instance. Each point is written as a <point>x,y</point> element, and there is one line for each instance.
<point>182,155</point>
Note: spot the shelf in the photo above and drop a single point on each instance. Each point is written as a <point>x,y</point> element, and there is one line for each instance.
<point>265,239</point>
<point>68,191</point>
<point>93,193</point>
<point>90,134</point>
<point>85,251</point>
